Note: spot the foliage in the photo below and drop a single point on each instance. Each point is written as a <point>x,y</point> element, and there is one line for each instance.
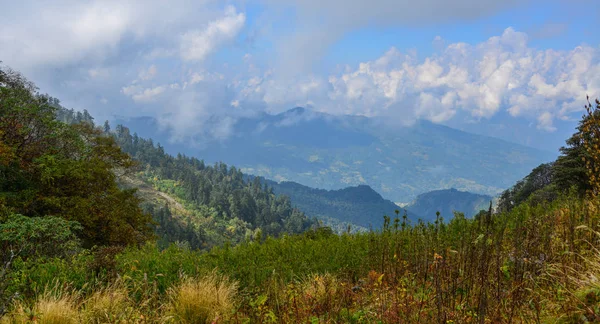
<point>500,267</point>
<point>224,206</point>
<point>535,260</point>
<point>575,169</point>
<point>51,307</point>
<point>25,238</point>
<point>65,170</point>
<point>30,237</point>
<point>538,179</point>
<point>591,143</point>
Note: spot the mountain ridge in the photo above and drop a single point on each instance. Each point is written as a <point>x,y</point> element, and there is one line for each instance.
<point>332,152</point>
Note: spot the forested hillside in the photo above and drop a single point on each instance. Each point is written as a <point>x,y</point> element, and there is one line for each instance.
<point>333,152</point>
<point>353,206</point>
<point>238,208</point>
<point>216,202</point>
<point>51,168</point>
<point>569,173</point>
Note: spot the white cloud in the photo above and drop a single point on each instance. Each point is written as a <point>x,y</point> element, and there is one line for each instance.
<point>545,121</point>
<point>63,33</point>
<point>196,45</point>
<point>66,32</point>
<point>148,94</point>
<point>97,47</point>
<point>145,95</point>
<point>502,73</point>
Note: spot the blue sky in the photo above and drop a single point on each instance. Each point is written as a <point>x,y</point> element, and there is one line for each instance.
<point>517,70</point>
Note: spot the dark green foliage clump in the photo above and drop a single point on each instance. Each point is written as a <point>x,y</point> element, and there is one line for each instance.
<point>25,239</point>
<point>48,167</point>
<point>567,174</point>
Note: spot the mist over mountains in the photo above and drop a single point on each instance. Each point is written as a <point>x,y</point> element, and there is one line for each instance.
<point>332,152</point>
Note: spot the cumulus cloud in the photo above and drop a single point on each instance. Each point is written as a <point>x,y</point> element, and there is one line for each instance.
<point>502,73</point>
<point>63,33</point>
<point>138,57</point>
<point>197,44</point>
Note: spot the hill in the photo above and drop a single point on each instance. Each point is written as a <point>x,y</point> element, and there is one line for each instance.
<point>333,152</point>
<point>447,202</point>
<point>358,205</point>
<point>190,201</point>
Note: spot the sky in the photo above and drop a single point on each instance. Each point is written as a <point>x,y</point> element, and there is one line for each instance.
<point>516,70</point>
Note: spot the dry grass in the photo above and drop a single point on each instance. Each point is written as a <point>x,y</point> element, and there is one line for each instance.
<point>320,289</point>
<point>204,300</point>
<point>52,307</point>
<point>109,305</point>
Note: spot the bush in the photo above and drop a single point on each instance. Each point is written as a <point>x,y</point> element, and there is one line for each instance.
<point>54,306</point>
<point>203,300</point>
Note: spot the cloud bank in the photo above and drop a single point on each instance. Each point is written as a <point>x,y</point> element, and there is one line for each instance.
<point>184,64</point>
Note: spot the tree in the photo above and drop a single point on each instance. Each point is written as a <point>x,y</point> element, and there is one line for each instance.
<point>65,170</point>
<point>106,127</point>
<point>591,142</point>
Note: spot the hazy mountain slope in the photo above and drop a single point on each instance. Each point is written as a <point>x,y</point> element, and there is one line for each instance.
<point>333,152</point>
<point>447,201</point>
<point>360,205</point>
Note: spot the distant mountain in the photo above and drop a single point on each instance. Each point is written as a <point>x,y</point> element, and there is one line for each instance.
<point>333,152</point>
<point>359,205</point>
<point>447,201</point>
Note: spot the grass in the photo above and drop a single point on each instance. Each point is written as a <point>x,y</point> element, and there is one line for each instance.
<point>202,300</point>
<point>535,264</point>
<point>54,306</point>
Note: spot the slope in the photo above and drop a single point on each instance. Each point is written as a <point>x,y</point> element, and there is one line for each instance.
<point>333,152</point>
<point>359,205</point>
<point>448,201</point>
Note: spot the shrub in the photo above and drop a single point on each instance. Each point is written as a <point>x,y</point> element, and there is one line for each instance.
<point>203,300</point>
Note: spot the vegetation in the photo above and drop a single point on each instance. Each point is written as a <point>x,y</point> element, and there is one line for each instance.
<point>324,151</point>
<point>67,170</point>
<point>359,207</point>
<point>222,205</point>
<point>534,260</point>
<point>576,169</point>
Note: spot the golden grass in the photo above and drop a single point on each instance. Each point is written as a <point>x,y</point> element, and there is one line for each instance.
<point>202,300</point>
<point>109,305</point>
<point>52,307</point>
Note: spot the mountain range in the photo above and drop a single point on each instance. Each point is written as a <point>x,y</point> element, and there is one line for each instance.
<point>333,152</point>
<point>361,207</point>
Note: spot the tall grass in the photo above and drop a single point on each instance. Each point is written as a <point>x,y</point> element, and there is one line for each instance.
<point>55,305</point>
<point>537,263</point>
<point>202,300</point>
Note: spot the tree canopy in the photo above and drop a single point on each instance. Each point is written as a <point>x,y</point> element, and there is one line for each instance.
<point>51,168</point>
